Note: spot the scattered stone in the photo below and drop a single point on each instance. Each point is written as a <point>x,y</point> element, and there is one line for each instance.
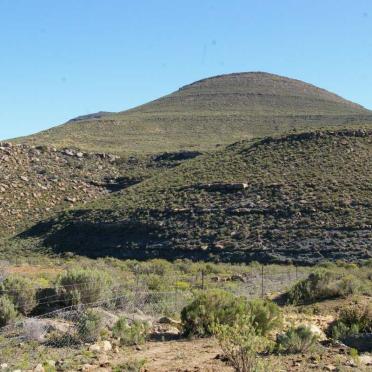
<point>330,367</point>
<point>39,368</point>
<point>106,346</point>
<point>95,348</point>
<point>170,321</point>
<point>365,359</point>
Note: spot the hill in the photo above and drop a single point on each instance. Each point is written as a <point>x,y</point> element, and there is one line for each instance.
<point>298,198</point>
<point>211,112</point>
<point>36,182</point>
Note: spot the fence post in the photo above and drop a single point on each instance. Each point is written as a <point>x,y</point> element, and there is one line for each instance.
<point>296,272</point>
<point>262,281</point>
<point>202,276</point>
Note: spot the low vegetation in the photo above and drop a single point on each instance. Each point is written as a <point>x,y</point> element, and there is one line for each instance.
<point>84,286</point>
<point>352,320</point>
<point>135,333</point>
<point>220,307</point>
<point>302,198</point>
<point>241,344</point>
<point>296,340</point>
<point>89,326</point>
<point>8,312</point>
<point>331,281</point>
<point>21,291</point>
<point>253,334</point>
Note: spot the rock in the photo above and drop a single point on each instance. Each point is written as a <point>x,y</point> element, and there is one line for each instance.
<point>106,346</point>
<point>361,342</point>
<point>51,363</point>
<point>69,152</point>
<point>170,321</point>
<point>87,368</point>
<point>317,331</point>
<point>330,367</point>
<point>95,348</point>
<point>238,278</point>
<point>39,368</point>
<point>365,359</point>
<point>108,319</point>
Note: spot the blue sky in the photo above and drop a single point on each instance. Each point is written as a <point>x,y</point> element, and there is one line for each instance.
<point>60,59</point>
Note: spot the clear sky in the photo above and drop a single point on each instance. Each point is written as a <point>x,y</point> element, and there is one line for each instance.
<point>60,59</point>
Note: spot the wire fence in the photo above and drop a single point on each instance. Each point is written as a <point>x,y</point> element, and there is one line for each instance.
<point>62,327</point>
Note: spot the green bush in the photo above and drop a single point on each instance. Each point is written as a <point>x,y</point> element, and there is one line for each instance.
<point>317,286</point>
<point>8,313</point>
<point>221,307</point>
<point>241,344</point>
<point>328,283</point>
<point>83,286</point>
<point>266,316</point>
<point>89,326</point>
<point>209,308</point>
<point>354,319</point>
<point>296,340</point>
<point>133,334</point>
<point>21,291</point>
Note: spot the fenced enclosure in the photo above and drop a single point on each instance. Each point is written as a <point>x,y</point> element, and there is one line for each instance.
<point>55,329</point>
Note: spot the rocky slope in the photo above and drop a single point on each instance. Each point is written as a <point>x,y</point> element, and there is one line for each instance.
<point>214,111</point>
<point>37,181</point>
<point>303,198</point>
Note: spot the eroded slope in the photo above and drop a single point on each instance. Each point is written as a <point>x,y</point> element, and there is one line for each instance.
<point>303,198</point>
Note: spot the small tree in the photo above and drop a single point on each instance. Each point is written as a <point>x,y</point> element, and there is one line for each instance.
<point>296,340</point>
<point>83,286</point>
<point>241,344</point>
<point>21,291</point>
<point>133,334</point>
<point>89,326</point>
<point>8,312</point>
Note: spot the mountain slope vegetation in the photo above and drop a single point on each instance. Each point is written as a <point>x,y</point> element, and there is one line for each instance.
<point>300,198</point>
<point>208,113</point>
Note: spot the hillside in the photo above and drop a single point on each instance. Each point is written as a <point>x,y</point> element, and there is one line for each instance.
<point>302,198</point>
<point>211,112</point>
<point>36,182</point>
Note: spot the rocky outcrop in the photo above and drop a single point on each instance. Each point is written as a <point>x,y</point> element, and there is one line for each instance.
<point>35,181</point>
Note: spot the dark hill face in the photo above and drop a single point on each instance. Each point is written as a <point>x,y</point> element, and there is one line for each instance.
<point>214,111</point>
<point>303,198</point>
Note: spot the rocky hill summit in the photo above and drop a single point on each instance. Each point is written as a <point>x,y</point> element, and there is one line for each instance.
<point>208,113</point>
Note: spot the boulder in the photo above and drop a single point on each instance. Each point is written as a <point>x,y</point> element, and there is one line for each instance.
<point>361,342</point>
<point>108,319</point>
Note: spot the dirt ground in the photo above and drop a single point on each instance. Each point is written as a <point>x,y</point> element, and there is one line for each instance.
<point>204,355</point>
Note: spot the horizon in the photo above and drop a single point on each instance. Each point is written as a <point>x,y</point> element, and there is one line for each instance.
<point>61,63</point>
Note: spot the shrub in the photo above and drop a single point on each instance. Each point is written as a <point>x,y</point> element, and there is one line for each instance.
<point>352,320</point>
<point>221,307</point>
<point>209,308</point>
<point>134,334</point>
<point>89,326</point>
<point>21,292</point>
<point>296,340</point>
<point>266,316</point>
<point>8,313</point>
<point>241,344</point>
<point>324,284</point>
<point>83,286</point>
<point>134,365</point>
<point>315,287</point>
